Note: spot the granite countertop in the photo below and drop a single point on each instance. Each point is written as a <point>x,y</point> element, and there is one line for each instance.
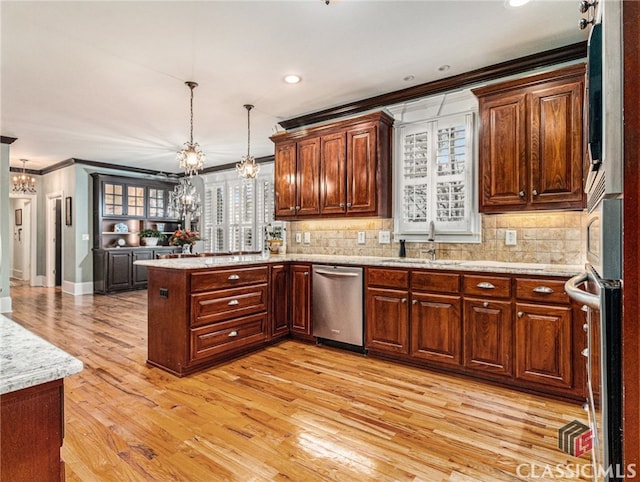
<point>27,360</point>
<point>441,264</point>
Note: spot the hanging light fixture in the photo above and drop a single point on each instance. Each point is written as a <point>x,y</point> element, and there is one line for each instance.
<point>185,199</point>
<point>191,158</point>
<point>247,166</point>
<point>24,183</point>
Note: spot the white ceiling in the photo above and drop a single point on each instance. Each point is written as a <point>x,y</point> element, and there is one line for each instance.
<point>104,80</point>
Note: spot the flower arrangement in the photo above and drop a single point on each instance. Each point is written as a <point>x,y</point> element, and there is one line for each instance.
<point>184,236</point>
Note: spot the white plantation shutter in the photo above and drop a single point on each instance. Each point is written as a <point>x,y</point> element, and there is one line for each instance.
<point>435,168</point>
<point>236,212</point>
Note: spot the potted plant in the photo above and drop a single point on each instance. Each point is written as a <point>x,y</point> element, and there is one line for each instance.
<point>150,237</point>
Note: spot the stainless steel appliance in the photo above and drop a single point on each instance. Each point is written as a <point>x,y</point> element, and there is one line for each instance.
<point>602,300</point>
<point>337,305</point>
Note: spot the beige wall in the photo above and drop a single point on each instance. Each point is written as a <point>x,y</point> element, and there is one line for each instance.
<point>541,238</point>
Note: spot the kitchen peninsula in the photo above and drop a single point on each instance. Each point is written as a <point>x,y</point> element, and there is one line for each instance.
<point>508,323</point>
<point>31,394</point>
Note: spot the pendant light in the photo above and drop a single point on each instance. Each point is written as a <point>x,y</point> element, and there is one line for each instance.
<point>24,183</point>
<point>247,167</point>
<point>191,158</point>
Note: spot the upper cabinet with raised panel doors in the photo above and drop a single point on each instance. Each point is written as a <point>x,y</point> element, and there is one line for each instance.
<point>531,142</point>
<point>335,170</point>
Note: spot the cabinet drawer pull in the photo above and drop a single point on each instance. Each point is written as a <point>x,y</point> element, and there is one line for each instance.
<point>233,277</point>
<point>543,289</point>
<point>233,302</point>
<point>233,333</point>
<point>485,304</point>
<point>485,285</point>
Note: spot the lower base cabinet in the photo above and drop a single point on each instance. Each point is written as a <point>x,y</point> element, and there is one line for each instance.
<point>488,336</point>
<point>387,320</point>
<point>31,433</point>
<point>301,323</point>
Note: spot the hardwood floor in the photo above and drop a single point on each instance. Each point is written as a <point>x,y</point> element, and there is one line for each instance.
<point>293,412</point>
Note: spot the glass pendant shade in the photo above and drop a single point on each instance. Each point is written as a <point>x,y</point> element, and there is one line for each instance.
<point>247,167</point>
<point>24,183</point>
<point>185,199</point>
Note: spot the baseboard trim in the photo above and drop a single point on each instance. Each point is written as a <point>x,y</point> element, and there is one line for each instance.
<point>77,289</point>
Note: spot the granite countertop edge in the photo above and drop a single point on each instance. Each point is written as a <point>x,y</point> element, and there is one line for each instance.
<point>373,261</point>
<point>28,360</point>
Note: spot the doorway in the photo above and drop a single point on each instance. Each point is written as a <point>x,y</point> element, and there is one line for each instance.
<point>53,253</point>
<point>23,239</point>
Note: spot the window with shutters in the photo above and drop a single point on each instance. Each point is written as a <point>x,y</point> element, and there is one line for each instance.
<point>435,165</point>
<point>236,211</point>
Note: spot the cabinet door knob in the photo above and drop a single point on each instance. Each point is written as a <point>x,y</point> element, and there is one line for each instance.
<point>543,289</point>
<point>485,285</point>
<point>297,208</point>
<point>520,314</point>
<point>233,302</point>
<point>585,353</point>
<point>404,300</point>
<point>348,205</point>
<point>522,194</point>
<point>535,192</point>
<point>233,333</point>
<point>585,327</point>
<point>233,277</point>
<point>485,304</point>
<point>414,302</point>
<point>292,208</point>
<point>306,273</point>
<point>341,205</point>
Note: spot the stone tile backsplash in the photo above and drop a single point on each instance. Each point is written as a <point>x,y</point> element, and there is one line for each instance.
<point>549,238</point>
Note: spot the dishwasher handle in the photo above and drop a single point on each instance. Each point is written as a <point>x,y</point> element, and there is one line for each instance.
<point>581,296</point>
<point>337,273</point>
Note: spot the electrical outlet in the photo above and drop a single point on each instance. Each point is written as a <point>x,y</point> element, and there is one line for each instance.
<point>298,238</point>
<point>361,237</point>
<point>384,237</point>
<point>85,237</point>
<point>307,238</point>
<point>510,237</point>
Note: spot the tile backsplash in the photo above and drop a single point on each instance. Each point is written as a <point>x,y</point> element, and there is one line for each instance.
<point>549,238</point>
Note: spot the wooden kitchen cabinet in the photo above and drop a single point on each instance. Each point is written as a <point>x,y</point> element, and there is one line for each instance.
<point>531,142</point>
<point>301,323</point>
<point>488,339</point>
<point>279,301</point>
<point>335,170</point>
<point>387,310</point>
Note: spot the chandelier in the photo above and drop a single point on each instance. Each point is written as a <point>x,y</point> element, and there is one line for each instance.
<point>24,183</point>
<point>185,199</point>
<point>247,166</point>
<point>191,158</point>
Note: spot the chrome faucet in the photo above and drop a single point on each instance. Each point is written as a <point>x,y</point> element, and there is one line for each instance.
<point>432,240</point>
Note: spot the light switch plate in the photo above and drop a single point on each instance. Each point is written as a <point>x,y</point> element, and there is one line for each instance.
<point>510,237</point>
<point>361,237</point>
<point>298,238</point>
<point>384,237</point>
<point>307,238</point>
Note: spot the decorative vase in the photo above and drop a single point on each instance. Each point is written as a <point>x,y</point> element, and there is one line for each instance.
<point>274,245</point>
<point>186,249</point>
<point>149,241</point>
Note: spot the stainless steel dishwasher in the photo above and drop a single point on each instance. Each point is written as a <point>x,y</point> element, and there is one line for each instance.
<point>337,304</point>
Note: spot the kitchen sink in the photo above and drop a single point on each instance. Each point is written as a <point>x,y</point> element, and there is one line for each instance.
<point>433,262</point>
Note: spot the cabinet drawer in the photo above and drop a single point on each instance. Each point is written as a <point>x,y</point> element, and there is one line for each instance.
<point>390,278</point>
<point>541,290</point>
<point>215,306</point>
<point>493,286</point>
<point>432,281</point>
<point>228,278</point>
<point>211,340</point>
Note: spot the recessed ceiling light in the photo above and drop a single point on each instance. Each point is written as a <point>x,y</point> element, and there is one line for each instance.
<point>409,78</point>
<point>444,68</point>
<point>516,3</point>
<point>292,79</point>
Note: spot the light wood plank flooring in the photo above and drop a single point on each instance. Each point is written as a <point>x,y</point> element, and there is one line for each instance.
<point>293,411</point>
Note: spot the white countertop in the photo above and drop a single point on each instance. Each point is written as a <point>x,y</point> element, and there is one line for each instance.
<point>443,264</point>
<point>27,360</point>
